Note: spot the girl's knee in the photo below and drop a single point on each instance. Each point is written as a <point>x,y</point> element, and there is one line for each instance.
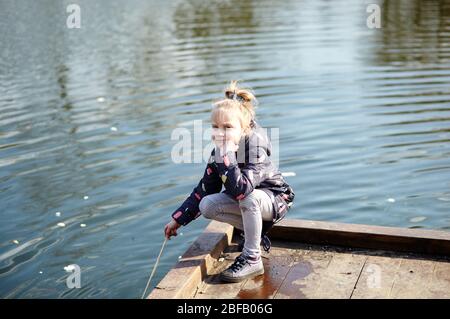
<point>206,207</point>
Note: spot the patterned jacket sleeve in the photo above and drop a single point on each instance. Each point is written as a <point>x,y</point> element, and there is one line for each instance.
<point>241,182</point>
<point>209,184</point>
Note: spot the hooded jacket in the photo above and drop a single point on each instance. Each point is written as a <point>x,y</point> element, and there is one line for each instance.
<point>240,173</point>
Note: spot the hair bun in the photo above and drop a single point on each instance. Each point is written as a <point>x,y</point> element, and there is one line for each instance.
<point>233,92</point>
<point>236,96</point>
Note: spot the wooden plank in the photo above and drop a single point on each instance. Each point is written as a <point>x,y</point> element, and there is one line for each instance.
<point>414,279</point>
<point>276,266</point>
<point>440,285</point>
<point>214,288</point>
<point>340,277</point>
<point>363,236</point>
<point>377,278</point>
<point>301,281</point>
<point>183,280</point>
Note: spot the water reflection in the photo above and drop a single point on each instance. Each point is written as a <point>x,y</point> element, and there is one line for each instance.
<point>414,33</point>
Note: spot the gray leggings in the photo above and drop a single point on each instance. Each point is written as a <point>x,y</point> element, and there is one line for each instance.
<point>246,214</point>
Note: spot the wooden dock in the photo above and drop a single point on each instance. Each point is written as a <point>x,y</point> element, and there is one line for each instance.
<point>311,259</point>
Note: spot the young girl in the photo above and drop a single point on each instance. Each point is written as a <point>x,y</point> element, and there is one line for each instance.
<point>255,192</point>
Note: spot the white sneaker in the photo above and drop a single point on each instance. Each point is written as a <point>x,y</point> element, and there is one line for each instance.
<point>242,268</point>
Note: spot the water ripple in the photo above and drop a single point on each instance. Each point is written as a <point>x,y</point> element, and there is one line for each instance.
<point>86,119</point>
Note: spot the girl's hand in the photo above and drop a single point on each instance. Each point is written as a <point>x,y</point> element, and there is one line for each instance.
<point>171,229</point>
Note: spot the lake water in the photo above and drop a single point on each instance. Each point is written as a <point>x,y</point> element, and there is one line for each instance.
<point>86,117</point>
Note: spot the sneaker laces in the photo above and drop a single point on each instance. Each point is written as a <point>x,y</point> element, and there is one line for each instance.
<point>238,263</point>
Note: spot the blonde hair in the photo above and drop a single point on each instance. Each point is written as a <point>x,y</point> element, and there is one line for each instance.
<point>239,100</point>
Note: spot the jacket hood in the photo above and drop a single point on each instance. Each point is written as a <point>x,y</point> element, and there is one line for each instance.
<point>257,138</point>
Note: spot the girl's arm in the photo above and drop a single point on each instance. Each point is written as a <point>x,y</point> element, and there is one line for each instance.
<point>209,184</point>
<point>241,182</point>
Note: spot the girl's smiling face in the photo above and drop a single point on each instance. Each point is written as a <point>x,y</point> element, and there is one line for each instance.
<point>225,127</point>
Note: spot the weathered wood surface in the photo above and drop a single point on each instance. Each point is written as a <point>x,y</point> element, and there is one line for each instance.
<point>318,260</point>
<point>196,263</point>
<point>363,236</point>
<point>310,272</point>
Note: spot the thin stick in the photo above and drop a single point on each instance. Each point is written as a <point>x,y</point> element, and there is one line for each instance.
<point>154,268</point>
